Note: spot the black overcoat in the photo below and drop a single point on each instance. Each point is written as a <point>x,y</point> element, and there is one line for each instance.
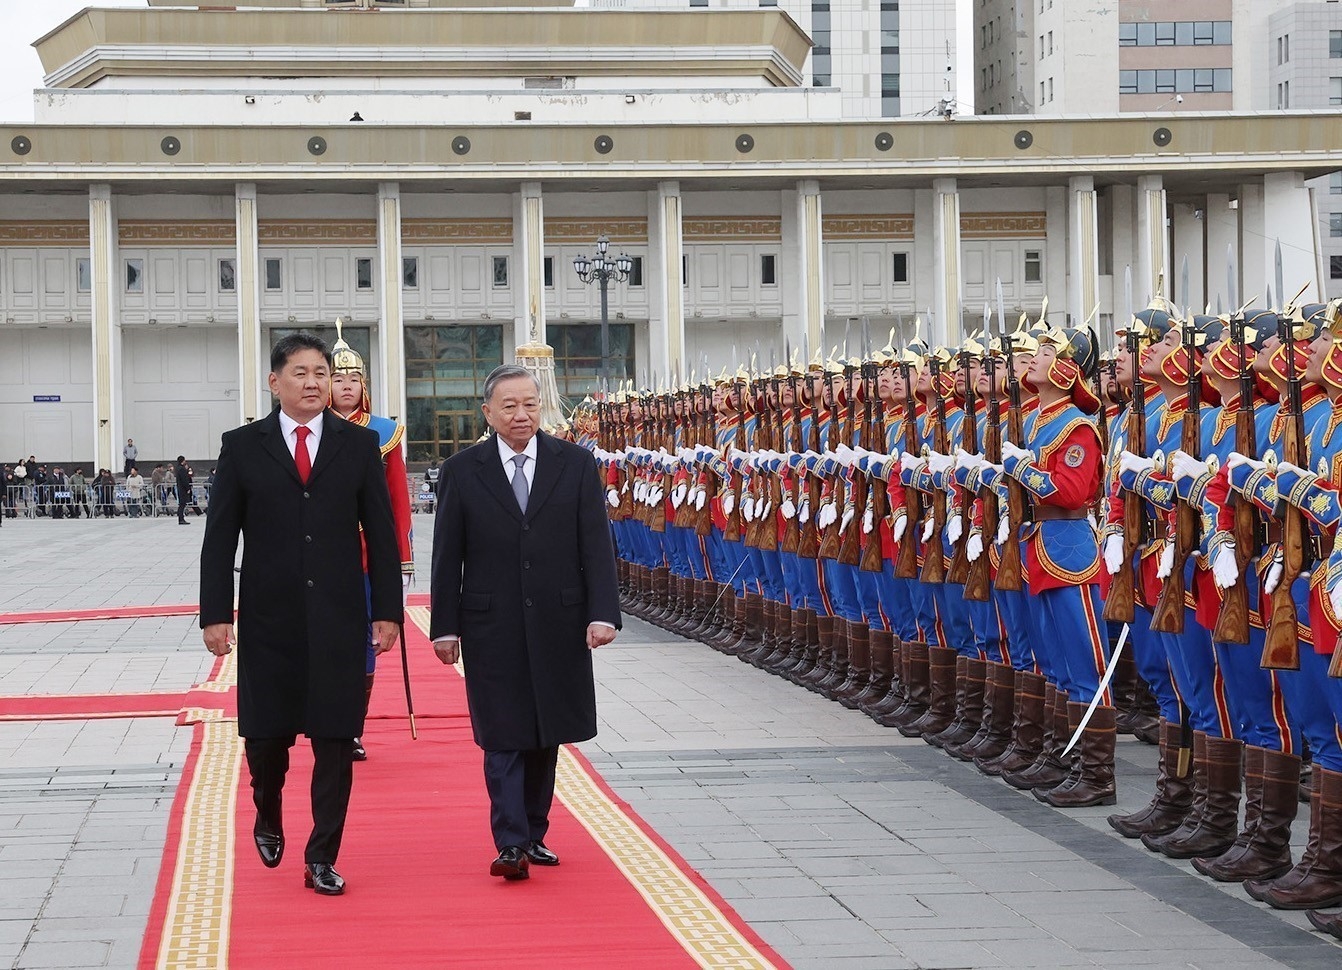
<point>302,610</point>
<point>520,591</point>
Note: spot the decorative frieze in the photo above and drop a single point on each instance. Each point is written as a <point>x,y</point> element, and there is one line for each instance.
<point>318,232</point>
<point>734,229</point>
<point>421,232</point>
<point>885,227</point>
<point>44,232</point>
<point>585,230</point>
<point>1003,225</point>
<point>203,232</point>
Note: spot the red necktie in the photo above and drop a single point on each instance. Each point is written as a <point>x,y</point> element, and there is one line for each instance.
<point>301,456</point>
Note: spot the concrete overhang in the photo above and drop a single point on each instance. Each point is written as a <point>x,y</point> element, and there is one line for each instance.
<point>1194,154</point>
<point>441,42</point>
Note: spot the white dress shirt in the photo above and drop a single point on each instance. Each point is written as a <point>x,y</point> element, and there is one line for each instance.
<point>288,424</point>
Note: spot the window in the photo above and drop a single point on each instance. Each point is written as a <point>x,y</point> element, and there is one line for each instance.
<point>274,273</point>
<point>445,368</point>
<point>363,273</point>
<point>1335,184</point>
<point>1287,39</point>
<point>1041,47</point>
<point>1183,33</point>
<point>578,357</point>
<point>1286,88</point>
<point>1050,89</point>
<point>1279,46</point>
<point>698,3</point>
<point>135,276</point>
<point>1146,35</point>
<point>1034,266</point>
<point>1335,90</point>
<point>768,269</point>
<point>500,271</point>
<point>684,269</point>
<point>548,272</point>
<point>1182,80</point>
<point>900,267</point>
<point>1335,225</point>
<point>1127,35</point>
<point>1335,43</point>
<point>1335,267</point>
<point>1127,82</point>
<point>84,275</point>
<point>636,271</point>
<point>228,276</point>
<point>410,272</point>
<point>1050,42</point>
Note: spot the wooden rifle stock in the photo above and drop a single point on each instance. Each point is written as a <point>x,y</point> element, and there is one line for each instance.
<point>906,566</point>
<point>1011,570</point>
<point>934,555</point>
<point>1232,622</point>
<point>1120,606</point>
<point>978,584</point>
<point>1168,616</point>
<point>1281,650</point>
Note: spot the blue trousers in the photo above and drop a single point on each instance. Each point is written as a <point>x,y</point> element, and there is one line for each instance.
<point>953,617</point>
<point>1013,608</point>
<point>1193,661</point>
<point>925,612</point>
<point>1071,625</point>
<point>1310,700</point>
<point>869,596</point>
<point>768,578</point>
<point>1153,663</point>
<point>897,603</point>
<point>842,590</point>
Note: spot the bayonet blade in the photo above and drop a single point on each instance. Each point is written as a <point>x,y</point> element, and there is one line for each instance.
<point>1231,277</point>
<point>1281,282</point>
<point>847,326</point>
<point>1183,284</point>
<point>1127,296</point>
<point>866,338</point>
<point>1001,312</point>
<point>1270,304</point>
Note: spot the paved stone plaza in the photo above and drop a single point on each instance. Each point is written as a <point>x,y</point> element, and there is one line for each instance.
<point>843,844</point>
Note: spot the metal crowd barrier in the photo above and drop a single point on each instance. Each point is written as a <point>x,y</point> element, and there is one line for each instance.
<point>94,501</point>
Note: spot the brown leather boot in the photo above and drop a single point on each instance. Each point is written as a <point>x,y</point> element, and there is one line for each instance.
<point>361,753</point>
<point>859,665</point>
<point>940,709</point>
<point>1048,770</point>
<point>893,695</point>
<point>1316,880</point>
<point>881,650</point>
<point>1330,923</point>
<point>1092,780</point>
<point>1027,728</point>
<point>1263,849</point>
<point>1257,887</point>
<point>782,639</point>
<point>917,677</point>
<point>824,657</point>
<point>1217,827</point>
<point>702,608</point>
<point>994,730</point>
<point>969,689</point>
<point>767,634</point>
<point>804,632</point>
<point>734,615</point>
<point>1173,799</point>
<point>661,595</point>
<point>838,660</point>
<point>1200,787</point>
<point>796,643</point>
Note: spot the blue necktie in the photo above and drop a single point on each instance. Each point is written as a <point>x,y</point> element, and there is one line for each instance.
<point>520,482</point>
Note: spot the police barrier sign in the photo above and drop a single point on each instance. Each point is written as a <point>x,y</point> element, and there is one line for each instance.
<point>46,399</point>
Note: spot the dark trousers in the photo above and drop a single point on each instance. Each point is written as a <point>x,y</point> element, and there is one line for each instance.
<point>332,779</point>
<point>521,786</point>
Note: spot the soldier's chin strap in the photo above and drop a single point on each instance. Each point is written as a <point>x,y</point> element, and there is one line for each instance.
<point>1099,694</point>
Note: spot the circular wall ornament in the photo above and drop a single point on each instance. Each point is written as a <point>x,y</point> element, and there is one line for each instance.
<point>21,145</point>
<point>1024,139</point>
<point>744,144</point>
<point>170,145</point>
<point>461,145</point>
<point>1162,137</point>
<point>885,141</point>
<point>317,145</point>
<point>603,144</point>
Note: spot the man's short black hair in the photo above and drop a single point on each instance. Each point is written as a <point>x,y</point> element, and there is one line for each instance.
<point>181,459</point>
<point>292,344</point>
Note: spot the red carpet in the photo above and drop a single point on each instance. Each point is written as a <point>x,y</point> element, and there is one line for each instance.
<point>104,613</point>
<point>87,707</point>
<point>416,854</point>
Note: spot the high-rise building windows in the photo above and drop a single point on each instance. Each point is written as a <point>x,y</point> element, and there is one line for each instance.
<point>1335,184</point>
<point>1181,33</point>
<point>821,58</point>
<point>1202,80</point>
<point>1335,43</point>
<point>1335,90</point>
<point>1335,267</point>
<point>889,58</point>
<point>1335,225</point>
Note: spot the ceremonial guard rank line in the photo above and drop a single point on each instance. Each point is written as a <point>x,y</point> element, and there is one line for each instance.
<point>1016,549</point>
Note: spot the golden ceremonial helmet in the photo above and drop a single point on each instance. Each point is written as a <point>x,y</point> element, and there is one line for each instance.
<point>344,358</point>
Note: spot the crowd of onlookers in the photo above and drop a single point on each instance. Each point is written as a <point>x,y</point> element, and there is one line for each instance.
<point>32,489</point>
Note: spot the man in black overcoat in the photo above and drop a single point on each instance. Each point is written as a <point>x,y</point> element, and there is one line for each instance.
<point>298,486</point>
<point>524,588</point>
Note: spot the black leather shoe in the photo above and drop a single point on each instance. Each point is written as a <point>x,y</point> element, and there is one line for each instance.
<point>359,753</point>
<point>269,844</point>
<point>511,864</point>
<point>322,879</point>
<point>540,855</point>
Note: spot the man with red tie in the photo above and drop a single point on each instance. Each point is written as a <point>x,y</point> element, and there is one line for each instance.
<point>298,486</point>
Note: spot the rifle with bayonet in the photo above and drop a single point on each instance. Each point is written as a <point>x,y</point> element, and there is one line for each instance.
<point>1010,568</point>
<point>1168,616</point>
<point>958,572</point>
<point>850,548</point>
<point>934,553</point>
<point>906,566</point>
<point>808,543</point>
<point>732,533</point>
<point>1232,622</point>
<point>873,439</point>
<point>978,584</point>
<point>707,437</point>
<point>1120,606</point>
<point>831,540</point>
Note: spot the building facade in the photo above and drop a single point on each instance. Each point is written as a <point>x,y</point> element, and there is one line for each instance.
<point>431,172</point>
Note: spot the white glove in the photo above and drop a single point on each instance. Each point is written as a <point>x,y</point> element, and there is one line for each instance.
<point>1003,530</point>
<point>1273,577</point>
<point>748,508</point>
<point>908,462</point>
<point>700,499</point>
<point>407,580</point>
<point>728,503</point>
<point>658,493</point>
<point>677,496</point>
<point>789,510</point>
<point>928,526</point>
<point>1128,462</point>
<point>1335,597</point>
<point>901,525</point>
<point>827,517</point>
<point>868,522</point>
<point>955,529</point>
<point>1184,465</point>
<point>1166,565</point>
<point>974,547</point>
<point>804,513</point>
<point>848,513</point>
<point>1225,567</point>
<point>1010,450</point>
<point>613,497</point>
<point>640,490</point>
<point>1113,554</point>
<point>937,463</point>
<point>1235,459</point>
<point>764,509</point>
<point>1286,466</point>
<point>964,459</point>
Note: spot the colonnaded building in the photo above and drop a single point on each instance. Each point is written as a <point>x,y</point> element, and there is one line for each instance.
<point>200,182</point>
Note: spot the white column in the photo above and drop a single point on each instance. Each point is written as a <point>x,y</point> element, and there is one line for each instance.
<point>1189,243</point>
<point>1150,272</point>
<point>946,249</point>
<point>254,399</point>
<point>1290,217</point>
<point>389,392</point>
<point>666,310</point>
<point>1058,284</point>
<point>1222,238</point>
<point>1083,248</point>
<point>811,271</point>
<point>529,257</point>
<point>1256,264</point>
<point>106,327</point>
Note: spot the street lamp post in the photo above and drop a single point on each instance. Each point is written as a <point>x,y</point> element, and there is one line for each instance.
<point>602,269</point>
